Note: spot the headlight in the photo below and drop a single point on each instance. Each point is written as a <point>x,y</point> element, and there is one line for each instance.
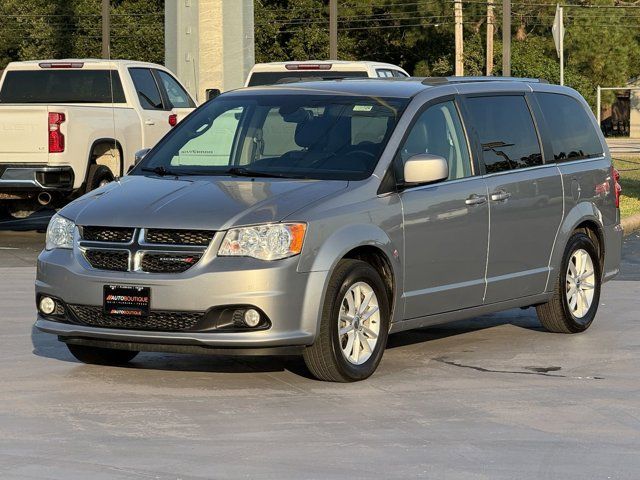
<point>266,242</point>
<point>59,233</point>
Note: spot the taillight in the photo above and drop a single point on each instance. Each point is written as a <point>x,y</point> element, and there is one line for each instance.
<point>617,188</point>
<point>56,138</point>
<point>173,119</point>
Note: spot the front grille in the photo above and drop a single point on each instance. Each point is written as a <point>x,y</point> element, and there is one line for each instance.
<point>200,238</point>
<point>166,321</point>
<point>107,234</point>
<point>168,262</point>
<point>115,260</point>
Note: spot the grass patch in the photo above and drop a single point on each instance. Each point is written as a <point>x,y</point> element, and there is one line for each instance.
<point>630,181</point>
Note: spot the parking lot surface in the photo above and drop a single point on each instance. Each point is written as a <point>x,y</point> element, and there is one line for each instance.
<point>491,398</point>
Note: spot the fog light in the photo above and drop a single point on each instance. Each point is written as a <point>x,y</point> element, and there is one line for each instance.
<point>251,318</point>
<point>47,305</point>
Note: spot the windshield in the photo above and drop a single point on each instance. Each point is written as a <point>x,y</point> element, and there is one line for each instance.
<point>331,137</point>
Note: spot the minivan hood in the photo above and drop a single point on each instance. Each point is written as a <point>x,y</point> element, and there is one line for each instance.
<point>207,203</point>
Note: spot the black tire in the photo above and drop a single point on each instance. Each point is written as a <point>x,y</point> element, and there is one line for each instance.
<point>98,175</point>
<point>324,358</point>
<point>556,315</point>
<point>101,356</point>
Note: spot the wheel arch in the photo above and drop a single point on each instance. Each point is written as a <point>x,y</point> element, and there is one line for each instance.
<point>366,242</point>
<point>586,217</point>
<point>108,142</point>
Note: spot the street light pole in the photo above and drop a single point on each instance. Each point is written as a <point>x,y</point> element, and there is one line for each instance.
<point>506,38</point>
<point>106,29</point>
<point>333,29</point>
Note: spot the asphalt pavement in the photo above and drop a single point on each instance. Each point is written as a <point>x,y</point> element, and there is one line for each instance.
<point>495,397</point>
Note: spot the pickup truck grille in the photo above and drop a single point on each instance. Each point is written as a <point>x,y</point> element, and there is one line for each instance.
<point>166,321</point>
<point>142,250</point>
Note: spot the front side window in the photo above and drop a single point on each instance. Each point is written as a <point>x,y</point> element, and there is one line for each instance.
<point>296,136</point>
<point>439,131</point>
<point>572,133</point>
<point>178,97</point>
<point>506,131</point>
<point>146,88</point>
<point>62,86</point>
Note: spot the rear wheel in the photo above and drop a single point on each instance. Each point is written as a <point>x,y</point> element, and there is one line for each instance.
<point>354,325</point>
<point>577,291</point>
<point>99,175</point>
<point>101,356</point>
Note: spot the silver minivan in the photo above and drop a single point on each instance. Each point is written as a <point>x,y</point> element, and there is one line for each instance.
<point>317,218</point>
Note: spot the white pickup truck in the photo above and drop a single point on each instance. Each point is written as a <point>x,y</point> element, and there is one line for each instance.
<point>69,126</point>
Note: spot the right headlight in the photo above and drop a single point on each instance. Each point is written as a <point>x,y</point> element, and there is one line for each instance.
<point>60,233</point>
<point>272,241</point>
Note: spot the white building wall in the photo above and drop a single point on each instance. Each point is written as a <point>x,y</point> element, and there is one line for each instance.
<point>209,43</point>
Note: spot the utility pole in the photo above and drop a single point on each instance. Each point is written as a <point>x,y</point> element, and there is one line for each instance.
<point>490,30</point>
<point>106,29</point>
<point>333,29</point>
<point>506,38</point>
<point>457,6</point>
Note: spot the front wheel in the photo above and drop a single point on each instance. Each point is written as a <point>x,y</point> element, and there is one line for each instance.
<point>98,176</point>
<point>101,356</point>
<point>354,325</point>
<point>577,291</point>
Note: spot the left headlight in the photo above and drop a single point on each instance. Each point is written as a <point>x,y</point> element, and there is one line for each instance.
<point>272,241</point>
<point>60,233</point>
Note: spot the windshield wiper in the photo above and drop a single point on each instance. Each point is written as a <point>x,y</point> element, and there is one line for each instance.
<point>160,170</point>
<point>247,172</point>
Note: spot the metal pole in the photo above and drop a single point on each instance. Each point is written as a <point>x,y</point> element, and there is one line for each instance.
<point>333,29</point>
<point>490,20</point>
<point>106,29</point>
<point>561,46</point>
<point>506,38</point>
<point>457,8</point>
<point>599,92</point>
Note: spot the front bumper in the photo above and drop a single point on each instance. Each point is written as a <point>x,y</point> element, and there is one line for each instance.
<point>35,178</point>
<point>290,299</point>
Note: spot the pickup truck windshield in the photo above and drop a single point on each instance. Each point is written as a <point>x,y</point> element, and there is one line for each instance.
<point>61,86</point>
<point>296,136</point>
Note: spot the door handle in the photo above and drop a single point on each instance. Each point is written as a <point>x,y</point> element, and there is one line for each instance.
<point>475,199</point>
<point>500,196</point>
<point>148,121</point>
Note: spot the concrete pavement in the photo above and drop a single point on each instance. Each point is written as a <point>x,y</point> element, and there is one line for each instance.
<point>492,398</point>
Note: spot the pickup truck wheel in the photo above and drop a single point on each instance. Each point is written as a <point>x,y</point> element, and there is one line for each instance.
<point>101,356</point>
<point>577,290</point>
<point>354,326</point>
<point>98,176</point>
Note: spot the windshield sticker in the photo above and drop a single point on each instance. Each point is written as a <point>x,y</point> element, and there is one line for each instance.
<point>362,108</point>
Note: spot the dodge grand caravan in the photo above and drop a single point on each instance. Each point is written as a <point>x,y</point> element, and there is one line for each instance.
<point>317,218</point>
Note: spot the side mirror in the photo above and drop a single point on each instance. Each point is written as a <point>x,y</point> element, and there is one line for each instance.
<point>139,155</point>
<point>425,168</point>
<point>212,93</point>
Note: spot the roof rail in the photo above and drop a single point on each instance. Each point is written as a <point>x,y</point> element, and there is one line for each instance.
<point>446,80</point>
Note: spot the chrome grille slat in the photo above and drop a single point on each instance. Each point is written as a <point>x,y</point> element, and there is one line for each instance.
<point>142,255</point>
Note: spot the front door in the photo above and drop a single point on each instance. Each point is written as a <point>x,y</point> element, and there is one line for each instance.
<point>154,113</point>
<point>525,197</point>
<point>445,224</point>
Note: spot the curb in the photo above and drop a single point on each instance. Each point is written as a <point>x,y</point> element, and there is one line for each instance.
<point>631,224</point>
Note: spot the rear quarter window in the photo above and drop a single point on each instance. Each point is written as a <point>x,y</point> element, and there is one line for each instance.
<point>572,134</point>
<point>62,86</point>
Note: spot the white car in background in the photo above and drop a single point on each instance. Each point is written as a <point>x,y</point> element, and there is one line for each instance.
<point>69,126</point>
<point>281,72</point>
